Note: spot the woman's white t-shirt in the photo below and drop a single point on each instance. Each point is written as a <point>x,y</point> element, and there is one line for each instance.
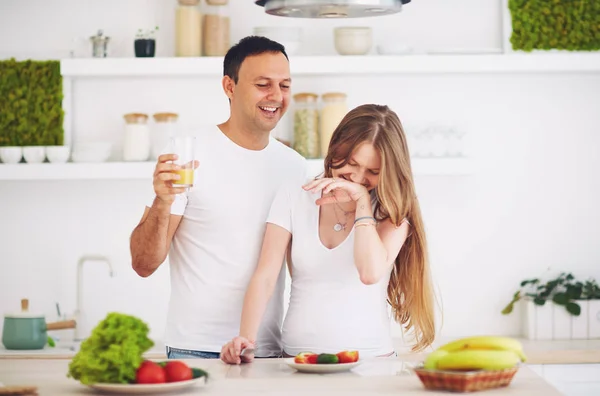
<point>330,309</point>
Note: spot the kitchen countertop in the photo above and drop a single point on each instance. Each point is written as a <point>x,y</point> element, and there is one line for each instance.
<point>538,352</point>
<point>384,376</point>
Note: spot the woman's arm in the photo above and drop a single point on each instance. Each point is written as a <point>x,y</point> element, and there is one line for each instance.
<point>264,279</point>
<point>260,290</point>
<point>375,246</point>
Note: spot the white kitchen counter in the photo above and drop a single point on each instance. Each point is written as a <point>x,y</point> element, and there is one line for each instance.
<point>271,377</point>
<point>538,352</point>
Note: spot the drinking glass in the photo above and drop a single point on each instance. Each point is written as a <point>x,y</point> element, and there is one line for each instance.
<point>184,147</point>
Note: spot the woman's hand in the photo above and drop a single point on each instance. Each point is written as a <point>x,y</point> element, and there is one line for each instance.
<point>340,190</point>
<point>231,352</point>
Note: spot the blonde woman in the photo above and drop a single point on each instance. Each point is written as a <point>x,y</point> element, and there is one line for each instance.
<point>355,243</point>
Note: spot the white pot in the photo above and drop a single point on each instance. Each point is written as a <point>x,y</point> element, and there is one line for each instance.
<point>553,322</point>
<point>34,154</point>
<point>58,154</point>
<point>11,154</point>
<point>594,318</point>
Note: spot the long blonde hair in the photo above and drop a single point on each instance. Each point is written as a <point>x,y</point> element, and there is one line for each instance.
<point>410,291</point>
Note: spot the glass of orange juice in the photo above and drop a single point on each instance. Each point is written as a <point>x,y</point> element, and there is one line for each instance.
<point>184,147</point>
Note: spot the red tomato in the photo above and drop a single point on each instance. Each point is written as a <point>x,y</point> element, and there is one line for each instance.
<point>150,373</point>
<point>348,356</point>
<point>177,371</point>
<point>312,358</point>
<point>301,358</point>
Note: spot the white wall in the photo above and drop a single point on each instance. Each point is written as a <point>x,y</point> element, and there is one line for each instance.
<point>38,28</point>
<point>531,203</point>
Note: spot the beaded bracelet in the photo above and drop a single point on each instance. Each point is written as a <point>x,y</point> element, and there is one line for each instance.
<point>364,218</point>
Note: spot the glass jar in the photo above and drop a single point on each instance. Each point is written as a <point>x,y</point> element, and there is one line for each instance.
<point>136,144</point>
<point>306,125</point>
<point>188,29</point>
<point>164,129</point>
<point>334,108</point>
<point>99,45</point>
<point>216,31</point>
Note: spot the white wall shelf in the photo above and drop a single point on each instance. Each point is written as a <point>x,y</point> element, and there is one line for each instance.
<point>144,170</point>
<point>342,65</point>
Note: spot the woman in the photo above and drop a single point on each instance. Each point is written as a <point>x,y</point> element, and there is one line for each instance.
<point>359,248</point>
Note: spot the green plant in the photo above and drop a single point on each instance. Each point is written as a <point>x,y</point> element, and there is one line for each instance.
<point>146,34</point>
<point>572,25</point>
<point>565,290</point>
<point>31,102</point>
<point>113,352</point>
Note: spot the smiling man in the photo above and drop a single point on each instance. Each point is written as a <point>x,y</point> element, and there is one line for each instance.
<point>213,233</point>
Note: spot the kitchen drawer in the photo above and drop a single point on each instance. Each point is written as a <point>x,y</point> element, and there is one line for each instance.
<point>572,372</point>
<point>578,388</point>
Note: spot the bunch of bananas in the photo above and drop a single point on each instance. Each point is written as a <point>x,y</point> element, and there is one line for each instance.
<point>476,353</point>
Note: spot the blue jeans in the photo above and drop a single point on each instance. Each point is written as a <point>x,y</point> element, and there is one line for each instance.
<point>175,353</point>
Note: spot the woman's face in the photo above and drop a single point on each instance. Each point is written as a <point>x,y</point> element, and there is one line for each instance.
<point>363,167</point>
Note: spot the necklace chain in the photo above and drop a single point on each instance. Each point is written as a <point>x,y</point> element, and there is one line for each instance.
<point>339,226</point>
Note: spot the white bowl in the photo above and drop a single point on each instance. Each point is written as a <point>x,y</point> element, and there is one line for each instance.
<point>34,154</point>
<point>288,36</point>
<point>353,40</point>
<point>284,33</point>
<point>394,49</point>
<point>58,154</point>
<point>91,152</point>
<point>11,154</point>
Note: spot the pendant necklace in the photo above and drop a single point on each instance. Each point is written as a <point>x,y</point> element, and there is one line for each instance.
<point>339,226</point>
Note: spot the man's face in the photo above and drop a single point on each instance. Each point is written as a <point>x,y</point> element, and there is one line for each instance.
<point>262,93</point>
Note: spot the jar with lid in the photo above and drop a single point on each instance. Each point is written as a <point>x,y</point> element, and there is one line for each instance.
<point>136,144</point>
<point>215,29</point>
<point>99,45</point>
<point>306,125</point>
<point>164,128</point>
<point>188,29</point>
<point>333,109</point>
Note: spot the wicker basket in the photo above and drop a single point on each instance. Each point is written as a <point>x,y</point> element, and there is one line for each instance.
<point>465,381</point>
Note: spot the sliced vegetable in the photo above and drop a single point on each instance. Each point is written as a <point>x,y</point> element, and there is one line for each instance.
<point>327,358</point>
<point>302,357</point>
<point>347,356</point>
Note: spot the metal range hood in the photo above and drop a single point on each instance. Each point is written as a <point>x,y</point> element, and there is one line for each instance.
<point>331,8</point>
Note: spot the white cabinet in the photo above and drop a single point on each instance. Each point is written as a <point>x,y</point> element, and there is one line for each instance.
<point>571,379</point>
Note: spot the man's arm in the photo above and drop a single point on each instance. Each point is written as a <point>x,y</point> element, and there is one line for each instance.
<point>151,239</point>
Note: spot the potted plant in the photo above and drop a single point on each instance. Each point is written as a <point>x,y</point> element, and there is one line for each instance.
<point>145,43</point>
<point>557,25</point>
<point>31,115</point>
<point>572,312</point>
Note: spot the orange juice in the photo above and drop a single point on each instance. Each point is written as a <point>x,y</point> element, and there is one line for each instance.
<point>186,177</point>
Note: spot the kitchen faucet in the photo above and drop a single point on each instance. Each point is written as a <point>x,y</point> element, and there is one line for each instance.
<point>82,260</point>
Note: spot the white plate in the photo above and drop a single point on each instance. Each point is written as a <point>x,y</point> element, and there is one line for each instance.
<point>146,389</point>
<point>464,51</point>
<point>321,368</point>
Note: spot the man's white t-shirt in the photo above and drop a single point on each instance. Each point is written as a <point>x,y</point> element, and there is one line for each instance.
<point>330,309</point>
<point>217,245</point>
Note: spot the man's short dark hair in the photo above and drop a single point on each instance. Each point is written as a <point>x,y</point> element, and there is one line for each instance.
<point>248,46</point>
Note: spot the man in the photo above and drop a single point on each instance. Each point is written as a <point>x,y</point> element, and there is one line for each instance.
<point>213,233</point>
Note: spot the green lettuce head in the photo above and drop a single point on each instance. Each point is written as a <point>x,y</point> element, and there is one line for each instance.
<point>113,353</point>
